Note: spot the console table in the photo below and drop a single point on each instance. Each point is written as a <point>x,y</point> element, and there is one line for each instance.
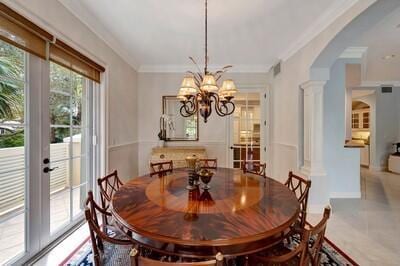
<point>394,164</point>
<point>177,154</point>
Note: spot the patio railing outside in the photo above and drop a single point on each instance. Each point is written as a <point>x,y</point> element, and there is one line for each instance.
<point>12,183</point>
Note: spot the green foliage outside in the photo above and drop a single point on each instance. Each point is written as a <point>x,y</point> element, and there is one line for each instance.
<point>65,100</point>
<point>12,140</point>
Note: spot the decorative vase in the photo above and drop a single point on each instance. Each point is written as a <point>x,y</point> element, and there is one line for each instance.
<point>193,178</point>
<point>205,177</point>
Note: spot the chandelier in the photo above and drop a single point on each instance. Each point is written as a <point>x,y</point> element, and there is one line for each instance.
<point>199,91</point>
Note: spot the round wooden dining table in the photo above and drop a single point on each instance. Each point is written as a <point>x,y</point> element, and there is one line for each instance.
<point>240,214</point>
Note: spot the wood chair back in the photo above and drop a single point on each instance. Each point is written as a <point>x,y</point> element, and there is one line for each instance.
<point>108,185</point>
<point>256,168</point>
<point>137,260</point>
<point>300,188</point>
<point>161,168</point>
<point>97,236</point>
<point>299,254</point>
<point>317,234</point>
<point>208,163</point>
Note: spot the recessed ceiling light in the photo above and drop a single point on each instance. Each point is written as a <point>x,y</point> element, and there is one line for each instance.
<point>387,57</point>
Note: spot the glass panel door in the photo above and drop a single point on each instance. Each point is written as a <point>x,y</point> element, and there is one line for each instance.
<point>70,110</point>
<point>13,147</point>
<point>246,129</point>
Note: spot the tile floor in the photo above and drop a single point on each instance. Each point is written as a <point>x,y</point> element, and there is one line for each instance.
<point>368,229</point>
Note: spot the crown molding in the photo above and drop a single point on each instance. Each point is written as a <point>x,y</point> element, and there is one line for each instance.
<point>318,26</point>
<point>184,68</point>
<point>80,11</point>
<point>354,52</point>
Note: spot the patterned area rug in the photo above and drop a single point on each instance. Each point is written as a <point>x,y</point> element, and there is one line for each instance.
<point>330,255</point>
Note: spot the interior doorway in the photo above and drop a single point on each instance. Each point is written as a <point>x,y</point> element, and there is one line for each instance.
<point>248,129</point>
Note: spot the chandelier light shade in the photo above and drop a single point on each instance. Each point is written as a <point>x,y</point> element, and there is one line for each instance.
<point>209,83</point>
<point>199,92</point>
<point>188,85</point>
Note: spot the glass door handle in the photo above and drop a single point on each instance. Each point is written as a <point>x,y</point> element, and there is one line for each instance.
<point>47,169</point>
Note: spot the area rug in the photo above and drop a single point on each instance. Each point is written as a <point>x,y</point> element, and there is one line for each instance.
<point>330,255</point>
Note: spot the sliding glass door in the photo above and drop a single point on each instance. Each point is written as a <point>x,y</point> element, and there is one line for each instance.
<point>71,125</point>
<point>46,151</point>
<point>13,151</point>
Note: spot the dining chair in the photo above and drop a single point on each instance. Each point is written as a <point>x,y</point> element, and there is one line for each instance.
<point>208,163</point>
<point>282,255</point>
<point>108,185</point>
<point>300,187</point>
<point>161,168</point>
<point>108,249</point>
<point>307,250</point>
<point>256,168</point>
<point>138,260</point>
<point>317,234</point>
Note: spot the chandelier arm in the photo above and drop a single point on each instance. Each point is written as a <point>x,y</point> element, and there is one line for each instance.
<point>189,107</point>
<point>219,106</point>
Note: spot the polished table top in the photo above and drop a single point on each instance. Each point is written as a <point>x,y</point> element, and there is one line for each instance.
<point>239,208</point>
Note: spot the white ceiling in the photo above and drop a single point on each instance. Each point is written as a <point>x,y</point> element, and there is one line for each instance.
<point>383,40</point>
<point>159,35</point>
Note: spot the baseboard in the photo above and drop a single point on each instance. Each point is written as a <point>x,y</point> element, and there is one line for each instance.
<point>317,208</point>
<point>345,195</point>
<point>377,168</point>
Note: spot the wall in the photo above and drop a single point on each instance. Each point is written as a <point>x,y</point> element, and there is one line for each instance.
<point>212,135</point>
<point>120,83</point>
<point>342,164</point>
<point>312,62</point>
<point>386,117</point>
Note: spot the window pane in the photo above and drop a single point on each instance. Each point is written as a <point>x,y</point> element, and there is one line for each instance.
<point>60,78</point>
<point>59,109</point>
<point>60,143</point>
<point>59,195</point>
<point>12,152</point>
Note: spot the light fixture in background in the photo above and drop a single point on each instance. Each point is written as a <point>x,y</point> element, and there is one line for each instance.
<point>199,92</point>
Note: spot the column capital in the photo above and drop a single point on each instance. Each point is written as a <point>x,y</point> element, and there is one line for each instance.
<point>313,85</point>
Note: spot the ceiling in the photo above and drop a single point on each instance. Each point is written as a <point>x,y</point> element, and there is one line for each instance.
<point>383,40</point>
<point>159,35</point>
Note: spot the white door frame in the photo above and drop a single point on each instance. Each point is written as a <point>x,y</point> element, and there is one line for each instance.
<point>264,125</point>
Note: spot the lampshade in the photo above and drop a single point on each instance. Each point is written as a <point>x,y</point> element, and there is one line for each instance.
<point>183,92</point>
<point>209,83</point>
<point>189,85</point>
<point>228,87</point>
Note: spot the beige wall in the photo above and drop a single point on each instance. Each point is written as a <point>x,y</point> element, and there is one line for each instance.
<point>212,135</point>
<point>121,78</point>
<point>287,96</point>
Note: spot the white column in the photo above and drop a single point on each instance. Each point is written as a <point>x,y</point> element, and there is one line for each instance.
<point>313,166</point>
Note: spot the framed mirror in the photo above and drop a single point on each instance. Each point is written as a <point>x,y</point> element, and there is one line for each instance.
<point>174,126</point>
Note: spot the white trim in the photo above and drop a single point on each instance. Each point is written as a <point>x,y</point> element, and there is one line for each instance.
<point>345,195</point>
<point>338,9</point>
<point>183,68</point>
<point>354,52</point>
<point>123,144</point>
